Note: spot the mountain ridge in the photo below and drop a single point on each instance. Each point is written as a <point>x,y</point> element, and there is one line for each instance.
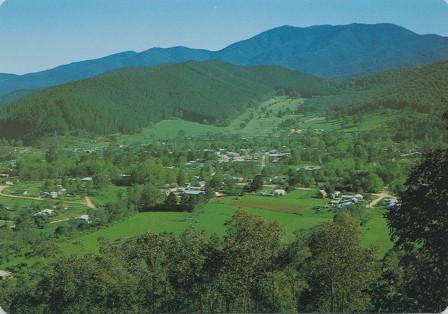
<point>323,50</point>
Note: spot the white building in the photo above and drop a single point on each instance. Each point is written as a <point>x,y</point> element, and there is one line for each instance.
<point>279,192</point>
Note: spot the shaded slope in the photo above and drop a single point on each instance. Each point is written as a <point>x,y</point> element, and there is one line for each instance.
<point>334,51</point>
<point>422,89</point>
<point>7,76</point>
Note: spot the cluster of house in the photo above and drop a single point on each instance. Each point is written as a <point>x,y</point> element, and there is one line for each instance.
<point>194,188</point>
<point>246,155</point>
<point>61,190</point>
<point>340,200</point>
<point>55,194</point>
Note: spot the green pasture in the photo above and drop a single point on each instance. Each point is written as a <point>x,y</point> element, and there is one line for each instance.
<point>212,217</point>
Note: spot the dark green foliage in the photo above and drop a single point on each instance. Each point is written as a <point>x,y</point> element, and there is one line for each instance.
<point>339,269</point>
<point>129,99</point>
<point>419,227</point>
<point>256,184</point>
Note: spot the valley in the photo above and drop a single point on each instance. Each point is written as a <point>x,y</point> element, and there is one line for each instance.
<point>238,151</point>
<point>303,169</point>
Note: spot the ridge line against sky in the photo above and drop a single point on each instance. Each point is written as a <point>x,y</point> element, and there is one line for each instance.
<point>40,34</point>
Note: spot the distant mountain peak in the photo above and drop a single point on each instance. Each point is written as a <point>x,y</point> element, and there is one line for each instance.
<point>324,50</point>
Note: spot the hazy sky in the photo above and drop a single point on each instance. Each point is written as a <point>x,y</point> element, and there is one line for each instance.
<point>40,34</point>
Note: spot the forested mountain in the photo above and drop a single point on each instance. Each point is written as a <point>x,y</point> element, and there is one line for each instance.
<point>7,76</point>
<point>338,51</point>
<point>128,99</point>
<point>90,68</point>
<point>333,51</point>
<point>422,89</point>
<point>211,92</point>
<point>8,98</point>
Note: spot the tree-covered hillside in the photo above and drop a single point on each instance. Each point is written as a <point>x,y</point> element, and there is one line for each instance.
<point>338,51</point>
<point>126,100</point>
<point>6,76</point>
<point>422,89</point>
<point>90,68</point>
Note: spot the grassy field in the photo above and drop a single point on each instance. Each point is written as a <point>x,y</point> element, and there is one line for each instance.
<point>293,212</point>
<point>169,129</point>
<point>376,232</point>
<point>32,188</point>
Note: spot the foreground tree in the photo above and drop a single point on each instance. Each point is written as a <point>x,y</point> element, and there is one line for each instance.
<point>339,270</point>
<point>250,248</point>
<point>419,228</point>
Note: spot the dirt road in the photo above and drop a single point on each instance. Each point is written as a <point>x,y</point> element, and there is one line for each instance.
<point>379,197</point>
<point>88,203</point>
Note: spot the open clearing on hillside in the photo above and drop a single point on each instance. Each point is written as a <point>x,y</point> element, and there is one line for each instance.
<point>256,122</point>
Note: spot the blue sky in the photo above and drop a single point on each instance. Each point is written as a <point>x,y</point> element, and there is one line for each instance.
<point>40,34</point>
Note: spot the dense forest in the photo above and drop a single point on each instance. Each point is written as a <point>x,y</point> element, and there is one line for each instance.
<point>214,93</point>
<point>421,89</point>
<point>127,100</point>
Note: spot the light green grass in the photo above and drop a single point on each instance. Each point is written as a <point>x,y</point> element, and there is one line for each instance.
<point>19,202</point>
<point>33,188</point>
<point>211,220</point>
<point>258,126</point>
<point>376,232</point>
<point>321,123</point>
<point>169,129</point>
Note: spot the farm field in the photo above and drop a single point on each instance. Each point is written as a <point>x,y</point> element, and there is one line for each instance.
<point>293,212</point>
